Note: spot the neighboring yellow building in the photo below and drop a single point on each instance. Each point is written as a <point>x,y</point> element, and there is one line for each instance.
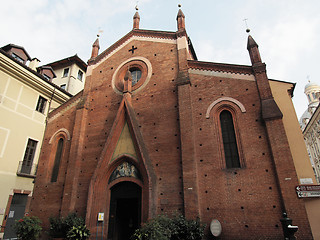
<point>282,93</point>
<point>27,94</point>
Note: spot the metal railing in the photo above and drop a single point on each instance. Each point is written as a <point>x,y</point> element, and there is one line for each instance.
<point>28,170</point>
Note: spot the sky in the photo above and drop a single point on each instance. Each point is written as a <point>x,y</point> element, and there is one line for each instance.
<point>287,31</point>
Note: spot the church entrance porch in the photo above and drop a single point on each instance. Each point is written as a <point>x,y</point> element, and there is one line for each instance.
<point>125,210</point>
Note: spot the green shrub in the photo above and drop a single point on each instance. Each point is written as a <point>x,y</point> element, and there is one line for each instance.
<point>156,229</point>
<point>164,228</point>
<point>80,232</point>
<point>28,228</point>
<point>59,227</point>
<point>184,229</point>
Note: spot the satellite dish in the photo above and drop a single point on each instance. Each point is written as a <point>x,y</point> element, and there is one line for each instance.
<point>215,227</point>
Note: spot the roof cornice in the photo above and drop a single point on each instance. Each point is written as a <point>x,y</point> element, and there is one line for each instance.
<point>66,62</point>
<point>30,77</point>
<point>220,67</point>
<point>137,33</point>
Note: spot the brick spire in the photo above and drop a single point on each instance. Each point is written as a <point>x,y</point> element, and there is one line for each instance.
<point>180,19</point>
<point>136,19</point>
<point>95,48</point>
<point>254,53</point>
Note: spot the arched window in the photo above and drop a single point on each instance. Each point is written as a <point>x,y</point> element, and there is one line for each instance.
<point>229,140</point>
<point>55,170</point>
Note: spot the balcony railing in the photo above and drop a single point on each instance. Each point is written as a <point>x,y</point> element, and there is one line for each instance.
<point>27,170</point>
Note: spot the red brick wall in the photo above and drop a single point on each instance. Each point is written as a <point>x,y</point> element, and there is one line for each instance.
<point>246,201</point>
<point>235,196</point>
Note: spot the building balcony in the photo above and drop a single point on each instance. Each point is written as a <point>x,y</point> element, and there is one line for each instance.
<point>27,170</point>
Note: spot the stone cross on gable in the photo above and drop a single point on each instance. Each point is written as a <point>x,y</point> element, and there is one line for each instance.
<point>133,49</point>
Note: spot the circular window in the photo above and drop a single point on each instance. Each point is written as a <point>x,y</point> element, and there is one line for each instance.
<point>140,69</point>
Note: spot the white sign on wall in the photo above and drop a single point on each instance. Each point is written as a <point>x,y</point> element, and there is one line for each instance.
<point>100,217</point>
<point>306,181</point>
<point>215,227</point>
<point>11,214</point>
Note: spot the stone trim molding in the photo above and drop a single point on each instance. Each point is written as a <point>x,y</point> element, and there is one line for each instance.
<point>61,130</point>
<point>146,81</point>
<point>182,43</point>
<point>110,52</point>
<point>220,67</point>
<point>240,76</point>
<point>229,99</point>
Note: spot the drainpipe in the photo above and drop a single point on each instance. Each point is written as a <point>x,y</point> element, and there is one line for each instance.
<point>53,92</point>
<point>45,127</point>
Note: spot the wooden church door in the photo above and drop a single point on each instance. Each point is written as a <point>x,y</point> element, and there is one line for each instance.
<point>125,210</point>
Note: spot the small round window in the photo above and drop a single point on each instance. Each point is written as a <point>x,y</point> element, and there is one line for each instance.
<point>136,75</point>
<point>140,74</point>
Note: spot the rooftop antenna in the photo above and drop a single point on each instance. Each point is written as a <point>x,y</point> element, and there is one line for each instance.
<point>245,20</point>
<point>136,7</point>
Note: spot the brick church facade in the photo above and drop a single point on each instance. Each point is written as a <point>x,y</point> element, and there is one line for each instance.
<point>155,131</point>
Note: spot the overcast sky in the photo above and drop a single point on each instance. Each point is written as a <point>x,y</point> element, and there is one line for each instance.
<point>287,31</point>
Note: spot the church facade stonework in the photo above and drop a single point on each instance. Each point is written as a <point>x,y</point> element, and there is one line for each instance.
<point>155,131</point>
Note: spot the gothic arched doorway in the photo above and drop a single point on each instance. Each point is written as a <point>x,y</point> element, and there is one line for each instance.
<point>125,210</point>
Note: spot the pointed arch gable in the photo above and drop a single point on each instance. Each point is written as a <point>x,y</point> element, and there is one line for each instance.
<point>125,144</point>
<point>134,127</point>
<point>229,99</point>
<point>144,156</point>
<point>62,131</point>
<point>99,180</point>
